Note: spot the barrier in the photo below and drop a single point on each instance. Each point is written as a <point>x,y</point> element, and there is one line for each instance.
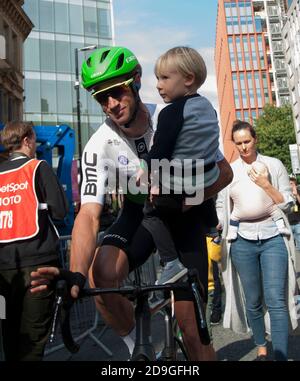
<point>85,319</point>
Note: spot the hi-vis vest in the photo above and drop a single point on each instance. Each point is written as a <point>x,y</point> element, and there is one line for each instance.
<point>18,203</point>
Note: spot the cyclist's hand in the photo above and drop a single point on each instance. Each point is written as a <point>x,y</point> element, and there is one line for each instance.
<point>42,277</point>
<point>75,281</point>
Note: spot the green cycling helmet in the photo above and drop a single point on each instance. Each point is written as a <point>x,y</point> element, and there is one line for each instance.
<point>108,63</point>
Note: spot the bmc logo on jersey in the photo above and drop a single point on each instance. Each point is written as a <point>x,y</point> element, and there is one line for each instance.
<point>123,160</point>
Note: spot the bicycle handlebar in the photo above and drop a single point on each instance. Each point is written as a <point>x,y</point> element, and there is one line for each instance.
<point>64,302</point>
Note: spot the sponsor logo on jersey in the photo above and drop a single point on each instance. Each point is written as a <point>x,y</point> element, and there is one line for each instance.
<point>123,160</point>
<point>90,174</point>
<point>141,147</point>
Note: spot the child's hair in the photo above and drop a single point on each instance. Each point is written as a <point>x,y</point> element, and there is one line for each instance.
<point>242,125</point>
<point>185,60</point>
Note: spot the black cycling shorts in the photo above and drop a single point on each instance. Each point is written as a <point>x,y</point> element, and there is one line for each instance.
<point>188,232</point>
<point>128,234</point>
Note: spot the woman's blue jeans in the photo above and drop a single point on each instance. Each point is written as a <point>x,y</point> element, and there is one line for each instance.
<point>262,266</point>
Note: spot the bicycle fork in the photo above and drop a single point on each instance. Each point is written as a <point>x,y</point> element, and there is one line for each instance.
<point>169,351</point>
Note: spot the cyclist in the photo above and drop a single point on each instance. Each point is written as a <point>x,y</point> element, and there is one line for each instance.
<point>113,77</point>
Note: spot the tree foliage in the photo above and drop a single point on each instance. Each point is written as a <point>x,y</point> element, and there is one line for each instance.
<point>275,131</point>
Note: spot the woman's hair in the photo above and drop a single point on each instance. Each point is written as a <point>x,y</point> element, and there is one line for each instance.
<point>14,132</point>
<point>242,125</point>
<point>185,60</point>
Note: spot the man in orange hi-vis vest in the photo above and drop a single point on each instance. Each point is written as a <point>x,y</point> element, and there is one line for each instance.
<point>30,196</point>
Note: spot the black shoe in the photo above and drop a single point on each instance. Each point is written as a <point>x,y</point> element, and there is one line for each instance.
<point>215,317</point>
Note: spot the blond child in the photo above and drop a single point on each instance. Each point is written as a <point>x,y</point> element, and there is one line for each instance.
<point>187,129</point>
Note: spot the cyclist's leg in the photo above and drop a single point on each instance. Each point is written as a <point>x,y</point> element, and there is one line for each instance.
<point>189,236</point>
<point>186,319</point>
<point>125,246</point>
<point>109,269</point>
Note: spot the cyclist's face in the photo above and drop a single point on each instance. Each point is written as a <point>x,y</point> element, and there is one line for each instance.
<point>118,103</point>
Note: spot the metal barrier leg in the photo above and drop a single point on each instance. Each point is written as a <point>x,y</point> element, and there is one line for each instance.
<point>2,358</point>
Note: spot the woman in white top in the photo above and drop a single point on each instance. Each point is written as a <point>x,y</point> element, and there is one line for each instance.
<point>259,267</point>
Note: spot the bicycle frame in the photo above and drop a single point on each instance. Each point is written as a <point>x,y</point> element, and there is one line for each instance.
<point>143,349</point>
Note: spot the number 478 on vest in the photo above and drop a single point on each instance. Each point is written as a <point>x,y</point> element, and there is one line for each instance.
<point>6,219</point>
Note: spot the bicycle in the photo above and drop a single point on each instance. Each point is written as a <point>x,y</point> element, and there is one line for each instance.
<point>143,350</point>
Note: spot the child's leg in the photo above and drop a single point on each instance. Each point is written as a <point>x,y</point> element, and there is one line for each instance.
<point>279,221</point>
<point>162,238</point>
<point>233,229</point>
<point>173,269</point>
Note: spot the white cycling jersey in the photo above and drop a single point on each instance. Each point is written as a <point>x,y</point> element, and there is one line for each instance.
<point>111,158</point>
<point>110,155</point>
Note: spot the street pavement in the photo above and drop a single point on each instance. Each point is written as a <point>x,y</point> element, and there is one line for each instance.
<point>229,346</point>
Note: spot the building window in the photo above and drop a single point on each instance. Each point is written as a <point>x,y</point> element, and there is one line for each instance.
<point>253,115</point>
<point>32,96</point>
<point>64,97</point>
<point>242,80</point>
<point>47,48</point>
<point>48,96</point>
<point>32,54</point>
<point>61,18</point>
<point>238,115</point>
<point>232,60</point>
<point>261,51</point>
<point>63,57</point>
<point>76,19</point>
<point>104,22</point>
<point>46,16</point>
<point>236,99</point>
<point>244,98</point>
<point>90,21</point>
<point>234,81</point>
<point>246,115</point>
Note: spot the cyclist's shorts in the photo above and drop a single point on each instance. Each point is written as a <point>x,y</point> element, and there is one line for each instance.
<point>128,234</point>
<point>188,231</point>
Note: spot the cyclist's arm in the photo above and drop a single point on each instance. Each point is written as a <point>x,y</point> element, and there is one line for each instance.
<point>84,237</point>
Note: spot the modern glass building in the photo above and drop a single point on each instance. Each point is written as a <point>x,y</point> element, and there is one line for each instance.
<point>60,26</point>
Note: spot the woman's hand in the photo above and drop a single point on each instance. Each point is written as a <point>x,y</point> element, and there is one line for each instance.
<point>260,178</point>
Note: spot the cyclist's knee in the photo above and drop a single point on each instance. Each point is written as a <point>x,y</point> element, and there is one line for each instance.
<point>109,268</point>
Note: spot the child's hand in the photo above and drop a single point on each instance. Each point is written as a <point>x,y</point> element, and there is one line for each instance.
<point>141,178</point>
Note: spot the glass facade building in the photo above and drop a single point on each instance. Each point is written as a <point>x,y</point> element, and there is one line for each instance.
<point>60,26</point>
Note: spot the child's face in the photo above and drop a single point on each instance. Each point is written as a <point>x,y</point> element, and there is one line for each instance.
<point>172,85</point>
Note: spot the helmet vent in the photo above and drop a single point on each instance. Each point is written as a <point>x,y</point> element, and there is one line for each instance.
<point>88,61</point>
<point>120,61</point>
<point>104,55</point>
